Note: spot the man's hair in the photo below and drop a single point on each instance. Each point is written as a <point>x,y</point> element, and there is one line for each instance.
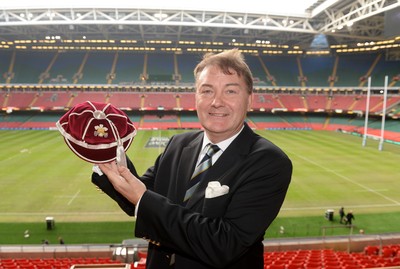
<point>226,60</point>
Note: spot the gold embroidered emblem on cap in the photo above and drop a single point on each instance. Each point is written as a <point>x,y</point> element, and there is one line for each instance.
<point>101,131</point>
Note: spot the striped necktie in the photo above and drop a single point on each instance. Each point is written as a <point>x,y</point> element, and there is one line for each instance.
<point>200,171</point>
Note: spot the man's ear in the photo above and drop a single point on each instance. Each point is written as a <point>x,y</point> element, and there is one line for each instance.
<point>250,102</point>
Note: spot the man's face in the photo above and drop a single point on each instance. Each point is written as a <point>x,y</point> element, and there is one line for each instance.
<point>222,102</point>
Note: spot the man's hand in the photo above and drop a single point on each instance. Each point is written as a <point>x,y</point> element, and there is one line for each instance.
<point>123,181</point>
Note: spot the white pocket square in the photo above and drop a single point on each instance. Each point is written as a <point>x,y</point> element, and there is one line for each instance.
<point>214,189</point>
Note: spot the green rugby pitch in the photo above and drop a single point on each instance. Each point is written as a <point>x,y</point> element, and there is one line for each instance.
<point>41,177</point>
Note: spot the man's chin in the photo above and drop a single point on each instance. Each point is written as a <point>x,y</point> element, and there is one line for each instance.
<point>218,124</point>
<point>216,128</point>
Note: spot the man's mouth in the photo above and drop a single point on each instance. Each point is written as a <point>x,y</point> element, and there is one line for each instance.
<point>218,114</point>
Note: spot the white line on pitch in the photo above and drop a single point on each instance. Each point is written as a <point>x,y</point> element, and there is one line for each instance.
<point>374,190</point>
<point>73,197</point>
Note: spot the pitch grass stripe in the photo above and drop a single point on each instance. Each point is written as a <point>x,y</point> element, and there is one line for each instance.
<point>334,206</point>
<point>317,141</point>
<point>34,214</point>
<point>28,142</point>
<point>326,143</point>
<point>349,180</point>
<point>67,213</point>
<point>28,137</point>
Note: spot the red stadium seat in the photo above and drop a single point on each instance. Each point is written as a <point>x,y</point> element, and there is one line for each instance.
<point>276,266</point>
<point>388,252</point>
<point>371,250</point>
<point>332,267</point>
<point>295,266</point>
<point>142,254</point>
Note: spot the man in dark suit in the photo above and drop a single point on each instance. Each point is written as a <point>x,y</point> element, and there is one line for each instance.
<point>222,224</point>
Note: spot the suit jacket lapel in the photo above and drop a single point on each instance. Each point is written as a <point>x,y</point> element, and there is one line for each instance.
<point>236,152</point>
<point>187,163</point>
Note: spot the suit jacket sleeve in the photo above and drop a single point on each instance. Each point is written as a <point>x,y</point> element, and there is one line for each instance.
<point>219,230</point>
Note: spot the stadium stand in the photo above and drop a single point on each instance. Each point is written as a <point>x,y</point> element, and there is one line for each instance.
<point>56,263</point>
<point>128,69</point>
<point>126,100</point>
<point>289,111</point>
<point>293,102</point>
<point>51,100</point>
<point>186,65</point>
<point>162,101</point>
<point>371,256</point>
<point>160,67</point>
<point>318,70</point>
<point>105,67</point>
<point>329,259</point>
<point>186,101</point>
<point>282,69</point>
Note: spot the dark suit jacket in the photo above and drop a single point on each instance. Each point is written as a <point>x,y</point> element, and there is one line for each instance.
<point>222,232</point>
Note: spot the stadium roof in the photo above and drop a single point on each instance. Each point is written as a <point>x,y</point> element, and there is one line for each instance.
<point>251,6</point>
<point>283,22</point>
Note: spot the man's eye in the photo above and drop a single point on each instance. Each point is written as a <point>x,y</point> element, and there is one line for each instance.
<point>207,92</point>
<point>230,91</point>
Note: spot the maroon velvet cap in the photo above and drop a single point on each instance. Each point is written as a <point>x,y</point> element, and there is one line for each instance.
<point>96,132</point>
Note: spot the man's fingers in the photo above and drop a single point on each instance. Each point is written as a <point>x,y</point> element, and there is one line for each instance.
<point>124,172</point>
<point>124,181</point>
<point>110,169</point>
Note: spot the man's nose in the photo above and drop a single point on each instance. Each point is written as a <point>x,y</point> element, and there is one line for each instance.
<point>218,100</point>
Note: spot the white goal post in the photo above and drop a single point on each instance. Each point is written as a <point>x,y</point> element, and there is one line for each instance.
<point>365,134</point>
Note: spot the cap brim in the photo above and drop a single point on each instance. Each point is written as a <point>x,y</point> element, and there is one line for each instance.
<point>100,155</point>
